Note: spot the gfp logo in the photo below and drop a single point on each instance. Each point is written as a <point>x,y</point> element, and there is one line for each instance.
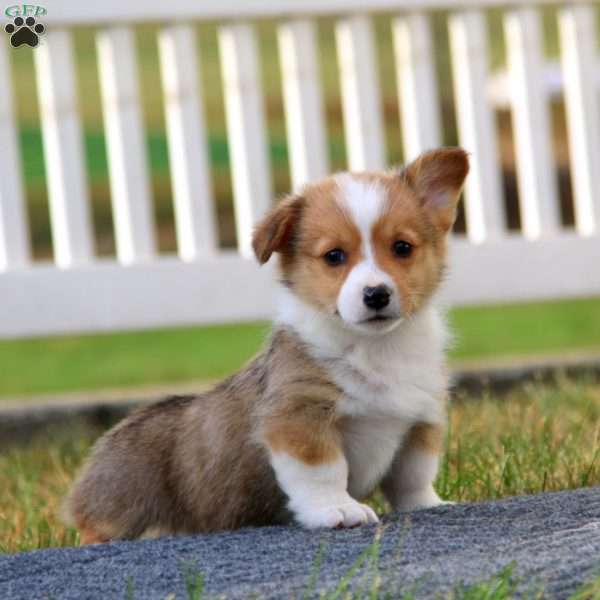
<point>24,29</point>
<point>25,10</point>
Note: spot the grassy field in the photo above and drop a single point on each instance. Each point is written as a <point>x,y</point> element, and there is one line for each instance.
<point>145,358</point>
<point>539,438</point>
<point>210,76</point>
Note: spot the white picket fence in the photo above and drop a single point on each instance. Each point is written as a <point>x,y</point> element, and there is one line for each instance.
<point>203,284</point>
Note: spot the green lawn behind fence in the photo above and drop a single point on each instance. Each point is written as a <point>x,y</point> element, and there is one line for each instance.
<point>206,353</point>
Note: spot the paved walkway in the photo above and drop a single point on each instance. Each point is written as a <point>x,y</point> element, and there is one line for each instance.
<point>553,541</point>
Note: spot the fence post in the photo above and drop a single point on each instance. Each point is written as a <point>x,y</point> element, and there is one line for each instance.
<point>63,150</point>
<point>188,147</point>
<point>417,86</point>
<point>303,102</point>
<point>14,235</point>
<point>244,108</point>
<point>129,184</point>
<point>483,201</point>
<point>579,63</point>
<point>361,101</point>
<point>538,194</point>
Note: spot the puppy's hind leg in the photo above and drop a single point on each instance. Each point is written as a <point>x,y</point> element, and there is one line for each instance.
<point>89,536</point>
<point>98,516</point>
<point>409,483</point>
<point>90,532</point>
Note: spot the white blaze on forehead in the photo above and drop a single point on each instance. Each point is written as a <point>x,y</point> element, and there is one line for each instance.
<point>364,202</point>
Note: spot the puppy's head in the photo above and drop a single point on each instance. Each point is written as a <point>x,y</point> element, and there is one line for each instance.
<point>368,248</point>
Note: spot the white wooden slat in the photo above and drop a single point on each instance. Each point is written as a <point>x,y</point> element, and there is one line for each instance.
<point>104,296</point>
<point>63,150</point>
<point>477,135</point>
<point>538,194</point>
<point>417,85</point>
<point>303,101</point>
<point>579,63</point>
<point>361,102</point>
<point>14,235</point>
<point>244,109</point>
<point>129,184</point>
<point>188,148</point>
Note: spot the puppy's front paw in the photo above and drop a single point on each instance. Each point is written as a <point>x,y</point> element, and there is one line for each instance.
<point>349,513</point>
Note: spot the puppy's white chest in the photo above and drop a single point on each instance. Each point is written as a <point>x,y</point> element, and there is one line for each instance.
<point>408,390</point>
<point>380,404</point>
<point>375,421</point>
<point>370,445</point>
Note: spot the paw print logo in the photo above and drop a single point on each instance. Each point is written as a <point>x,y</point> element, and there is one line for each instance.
<point>24,31</point>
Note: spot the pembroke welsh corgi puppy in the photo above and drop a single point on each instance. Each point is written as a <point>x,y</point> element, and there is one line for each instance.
<point>348,394</point>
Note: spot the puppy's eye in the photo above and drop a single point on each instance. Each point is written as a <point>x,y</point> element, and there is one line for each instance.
<point>402,249</point>
<point>335,257</point>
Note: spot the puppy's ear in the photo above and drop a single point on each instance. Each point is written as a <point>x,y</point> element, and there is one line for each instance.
<point>438,176</point>
<point>274,232</point>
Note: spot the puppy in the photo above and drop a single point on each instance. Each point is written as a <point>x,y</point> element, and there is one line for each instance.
<point>348,394</point>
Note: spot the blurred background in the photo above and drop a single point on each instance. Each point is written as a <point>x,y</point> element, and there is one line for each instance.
<point>156,140</point>
<point>543,435</point>
<point>83,362</point>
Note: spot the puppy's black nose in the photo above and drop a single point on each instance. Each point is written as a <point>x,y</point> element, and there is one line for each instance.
<point>377,297</point>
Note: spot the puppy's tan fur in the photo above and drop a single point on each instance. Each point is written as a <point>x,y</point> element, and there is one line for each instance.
<point>202,463</point>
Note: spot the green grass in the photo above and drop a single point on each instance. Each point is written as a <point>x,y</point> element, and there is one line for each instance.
<point>206,353</point>
<point>539,438</point>
<point>558,326</point>
<point>126,359</point>
<point>33,481</point>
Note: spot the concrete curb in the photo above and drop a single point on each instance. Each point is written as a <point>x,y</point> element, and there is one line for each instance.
<point>20,421</point>
<point>503,376</point>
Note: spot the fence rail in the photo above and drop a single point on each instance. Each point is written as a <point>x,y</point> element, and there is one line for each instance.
<point>139,288</point>
<point>65,12</point>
